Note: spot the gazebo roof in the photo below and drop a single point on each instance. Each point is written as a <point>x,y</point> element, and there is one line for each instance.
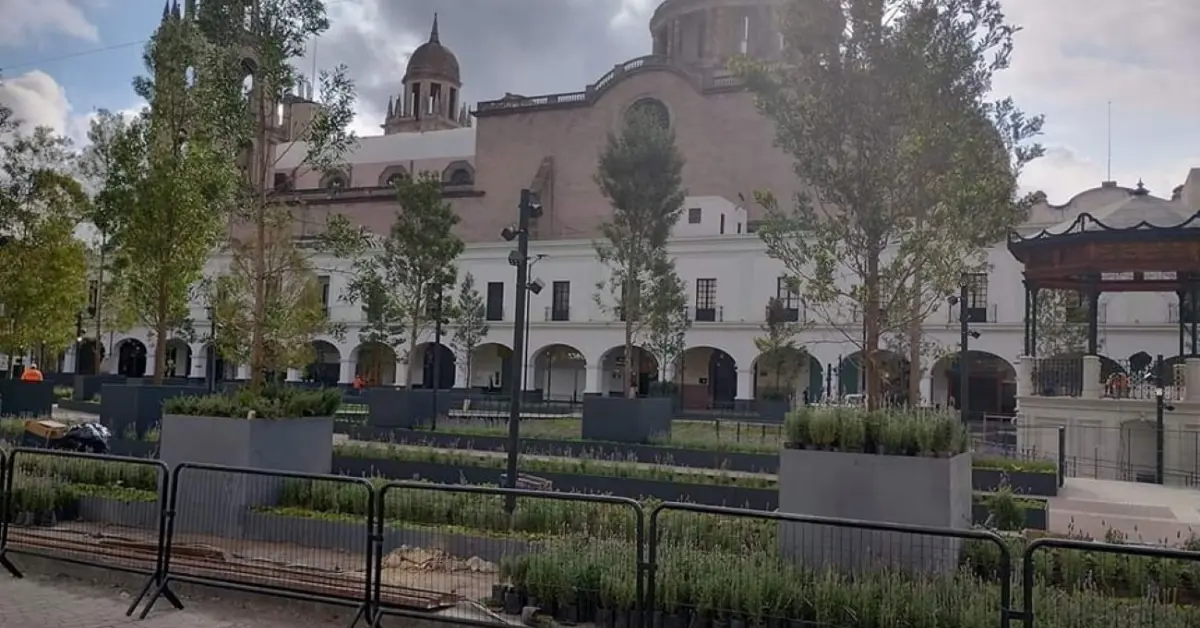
<point>1139,236</point>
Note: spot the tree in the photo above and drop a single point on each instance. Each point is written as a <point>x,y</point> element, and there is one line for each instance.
<point>667,320</point>
<point>777,347</point>
<point>42,265</point>
<point>415,264</point>
<point>273,272</point>
<point>112,145</point>
<point>909,172</point>
<point>470,324</point>
<point>640,172</point>
<point>172,171</point>
<point>1062,323</point>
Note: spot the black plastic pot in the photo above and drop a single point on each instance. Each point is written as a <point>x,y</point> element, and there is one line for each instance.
<point>512,602</point>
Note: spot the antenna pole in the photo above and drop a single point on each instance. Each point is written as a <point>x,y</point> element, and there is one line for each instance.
<point>1109,161</point>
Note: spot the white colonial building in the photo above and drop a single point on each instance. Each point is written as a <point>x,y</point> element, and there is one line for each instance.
<point>574,345</point>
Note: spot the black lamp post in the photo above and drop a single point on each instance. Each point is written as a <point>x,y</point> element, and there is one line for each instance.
<point>1161,406</point>
<point>78,340</point>
<point>529,208</point>
<point>210,369</point>
<point>965,334</point>
<point>437,353</point>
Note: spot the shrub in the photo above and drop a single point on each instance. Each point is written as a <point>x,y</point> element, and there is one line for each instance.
<point>273,403</point>
<point>892,432</point>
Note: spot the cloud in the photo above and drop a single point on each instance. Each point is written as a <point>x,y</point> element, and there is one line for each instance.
<point>1063,172</point>
<point>37,99</point>
<point>26,21</point>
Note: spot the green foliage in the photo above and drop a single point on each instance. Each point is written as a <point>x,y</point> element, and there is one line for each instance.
<point>413,266</point>
<point>908,170</point>
<point>470,322</point>
<point>890,432</point>
<point>274,402</point>
<point>778,350</point>
<point>667,320</point>
<point>1062,326</point>
<point>42,265</point>
<point>640,172</point>
<point>1005,510</point>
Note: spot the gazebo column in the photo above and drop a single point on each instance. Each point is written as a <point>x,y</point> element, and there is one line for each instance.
<point>1192,320</point>
<point>1031,311</point>
<point>1093,340</point>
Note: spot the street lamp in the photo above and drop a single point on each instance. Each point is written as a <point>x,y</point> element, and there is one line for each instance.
<point>210,368</point>
<point>965,335</point>
<point>529,208</point>
<point>78,339</point>
<point>1161,406</point>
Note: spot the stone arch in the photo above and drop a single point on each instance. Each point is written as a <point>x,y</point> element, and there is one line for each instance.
<point>432,365</point>
<point>178,362</point>
<point>612,365</point>
<point>393,175</point>
<point>459,172</point>
<point>335,180</point>
<point>893,374</point>
<point>1062,375</point>
<point>490,367</point>
<point>375,363</point>
<point>560,372</point>
<point>653,108</point>
<point>131,357</point>
<point>707,378</point>
<point>326,365</point>
<point>224,370</point>
<point>796,375</point>
<point>992,386</point>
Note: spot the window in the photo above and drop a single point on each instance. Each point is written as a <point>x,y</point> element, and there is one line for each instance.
<point>334,181</point>
<point>93,297</point>
<point>281,182</point>
<point>560,301</point>
<point>651,108</point>
<point>788,299</point>
<point>722,232</point>
<point>706,300</point>
<point>462,176</point>
<point>694,215</point>
<point>323,280</point>
<point>395,180</point>
<point>495,301</point>
<point>977,298</point>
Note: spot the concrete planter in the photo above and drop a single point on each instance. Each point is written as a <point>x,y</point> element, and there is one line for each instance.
<point>132,448</point>
<point>625,420</point>
<point>144,515</point>
<point>137,404</point>
<point>772,410</point>
<point>26,399</point>
<point>88,386</point>
<point>214,502</point>
<point>86,407</point>
<point>891,489</point>
<point>408,408</point>
<point>1021,482</point>
<point>1035,518</point>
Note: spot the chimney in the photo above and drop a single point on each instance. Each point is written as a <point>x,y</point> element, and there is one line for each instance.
<point>1190,195</point>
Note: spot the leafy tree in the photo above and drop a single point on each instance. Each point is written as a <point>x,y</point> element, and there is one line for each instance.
<point>112,145</point>
<point>777,347</point>
<point>383,325</point>
<point>470,323</point>
<point>640,172</point>
<point>909,171</point>
<point>273,273</point>
<point>1062,323</point>
<point>42,265</point>
<point>171,170</point>
<point>667,320</point>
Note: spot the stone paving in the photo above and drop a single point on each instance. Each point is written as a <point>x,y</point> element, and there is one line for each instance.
<point>61,602</point>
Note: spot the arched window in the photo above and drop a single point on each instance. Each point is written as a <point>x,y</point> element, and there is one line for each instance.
<point>335,181</point>
<point>392,175</point>
<point>651,108</point>
<point>462,176</point>
<point>458,173</point>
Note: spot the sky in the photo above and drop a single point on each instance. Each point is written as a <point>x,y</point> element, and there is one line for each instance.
<point>60,60</point>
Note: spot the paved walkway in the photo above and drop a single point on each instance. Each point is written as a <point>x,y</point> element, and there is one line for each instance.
<point>1144,512</point>
<point>64,603</point>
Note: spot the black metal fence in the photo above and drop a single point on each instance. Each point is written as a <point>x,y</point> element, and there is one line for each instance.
<point>477,555</point>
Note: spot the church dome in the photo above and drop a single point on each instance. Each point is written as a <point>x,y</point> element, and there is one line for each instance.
<point>433,60</point>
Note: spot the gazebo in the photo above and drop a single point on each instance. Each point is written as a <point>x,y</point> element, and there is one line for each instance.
<point>1138,244</point>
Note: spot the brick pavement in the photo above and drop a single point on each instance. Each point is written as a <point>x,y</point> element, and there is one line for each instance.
<point>39,602</point>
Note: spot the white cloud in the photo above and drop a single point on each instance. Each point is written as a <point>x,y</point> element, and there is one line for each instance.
<point>27,20</point>
<point>1063,172</point>
<point>38,100</point>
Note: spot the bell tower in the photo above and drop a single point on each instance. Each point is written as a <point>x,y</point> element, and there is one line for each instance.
<point>432,96</point>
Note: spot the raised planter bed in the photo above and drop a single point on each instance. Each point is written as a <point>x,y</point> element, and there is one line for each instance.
<point>913,490</point>
<point>26,399</point>
<point>138,404</point>
<point>127,514</point>
<point>1035,518</point>
<point>1021,482</point>
<point>132,448</point>
<point>88,407</point>
<point>627,452</point>
<point>212,502</point>
<point>710,494</point>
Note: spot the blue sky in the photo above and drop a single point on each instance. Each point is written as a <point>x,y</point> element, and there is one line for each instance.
<point>1073,57</point>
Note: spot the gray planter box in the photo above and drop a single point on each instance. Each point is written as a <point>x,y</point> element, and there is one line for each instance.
<point>214,502</point>
<point>127,514</point>
<point>624,420</point>
<point>137,404</point>
<point>909,490</point>
<point>407,408</point>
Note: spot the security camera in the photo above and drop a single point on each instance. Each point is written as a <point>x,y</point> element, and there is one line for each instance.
<point>952,300</point>
<point>509,233</point>
<point>974,334</point>
<point>514,258</point>
<point>536,286</point>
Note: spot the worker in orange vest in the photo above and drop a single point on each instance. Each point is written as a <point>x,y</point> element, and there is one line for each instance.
<point>32,374</point>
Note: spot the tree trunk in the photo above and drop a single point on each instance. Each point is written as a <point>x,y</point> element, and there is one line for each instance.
<point>408,363</point>
<point>258,177</point>
<point>160,350</point>
<point>915,336</point>
<point>97,354</point>
<point>871,324</point>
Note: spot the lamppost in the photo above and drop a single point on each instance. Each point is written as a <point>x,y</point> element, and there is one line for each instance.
<point>78,340</point>
<point>210,369</point>
<point>437,353</point>
<point>535,288</point>
<point>1161,406</point>
<point>965,334</point>
<point>529,208</point>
